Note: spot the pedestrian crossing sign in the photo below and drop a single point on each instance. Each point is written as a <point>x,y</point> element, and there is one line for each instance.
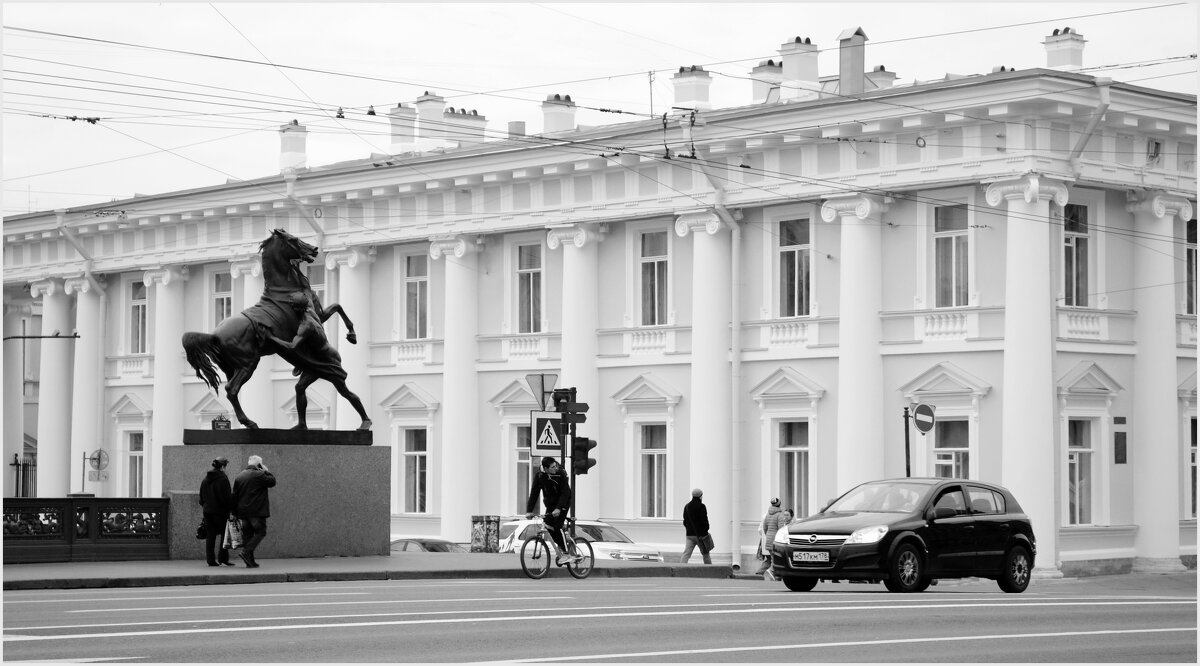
<point>548,432</point>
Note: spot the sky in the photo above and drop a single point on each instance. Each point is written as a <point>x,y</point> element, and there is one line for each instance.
<point>191,94</point>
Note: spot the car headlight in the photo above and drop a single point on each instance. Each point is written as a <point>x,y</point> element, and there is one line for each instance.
<point>782,535</point>
<point>868,534</point>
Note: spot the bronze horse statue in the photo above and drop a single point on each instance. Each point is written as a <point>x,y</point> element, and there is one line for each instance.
<point>238,342</point>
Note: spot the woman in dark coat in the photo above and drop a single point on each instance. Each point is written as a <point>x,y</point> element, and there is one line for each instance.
<point>217,500</point>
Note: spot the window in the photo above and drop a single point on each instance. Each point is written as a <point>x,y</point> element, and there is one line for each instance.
<point>1190,250</point>
<point>793,467</point>
<point>529,288</point>
<point>523,468</point>
<point>1191,508</point>
<point>654,278</point>
<point>950,251</point>
<point>137,319</point>
<point>222,296</point>
<point>137,464</point>
<point>654,471</point>
<point>416,471</point>
<point>316,280</point>
<point>1079,472</point>
<point>951,449</point>
<point>416,297</point>
<point>1075,255</point>
<point>795,264</point>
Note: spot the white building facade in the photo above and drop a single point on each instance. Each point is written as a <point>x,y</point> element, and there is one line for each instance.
<point>748,298</point>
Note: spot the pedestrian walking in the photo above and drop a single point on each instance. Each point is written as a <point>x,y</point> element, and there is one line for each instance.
<point>695,527</point>
<point>767,528</point>
<point>217,500</point>
<point>252,506</point>
<point>786,518</point>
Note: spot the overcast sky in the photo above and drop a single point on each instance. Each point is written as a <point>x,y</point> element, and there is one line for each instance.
<point>190,95</point>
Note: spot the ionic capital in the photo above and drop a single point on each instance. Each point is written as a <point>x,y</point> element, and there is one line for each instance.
<point>349,258</point>
<point>862,206</point>
<point>246,266</point>
<point>697,221</point>
<point>47,287</point>
<point>1158,203</point>
<point>81,284</point>
<point>165,276</point>
<point>1030,188</point>
<point>458,246</point>
<point>578,235</point>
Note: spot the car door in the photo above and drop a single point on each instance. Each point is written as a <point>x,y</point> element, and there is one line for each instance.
<point>992,528</point>
<point>950,540</point>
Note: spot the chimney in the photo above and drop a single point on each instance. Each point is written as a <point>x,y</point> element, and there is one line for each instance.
<point>464,127</point>
<point>516,128</point>
<point>691,88</point>
<point>852,46</point>
<point>800,81</point>
<point>765,78</point>
<point>430,124</point>
<point>1064,50</point>
<point>881,78</point>
<point>404,128</point>
<point>292,152</point>
<point>558,114</point>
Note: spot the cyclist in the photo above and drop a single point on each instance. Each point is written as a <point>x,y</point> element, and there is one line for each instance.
<point>555,487</point>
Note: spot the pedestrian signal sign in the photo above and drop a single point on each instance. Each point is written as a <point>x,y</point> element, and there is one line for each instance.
<point>548,432</point>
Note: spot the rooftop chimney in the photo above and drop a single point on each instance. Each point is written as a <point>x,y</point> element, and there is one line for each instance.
<point>430,124</point>
<point>292,152</point>
<point>1064,50</point>
<point>765,78</point>
<point>881,78</point>
<point>558,114</point>
<point>800,81</point>
<point>404,128</point>
<point>691,87</point>
<point>516,128</point>
<point>852,46</point>
<point>464,127</point>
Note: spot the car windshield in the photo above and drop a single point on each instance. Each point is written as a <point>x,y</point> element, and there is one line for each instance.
<point>507,529</point>
<point>898,497</point>
<point>443,547</point>
<point>601,533</point>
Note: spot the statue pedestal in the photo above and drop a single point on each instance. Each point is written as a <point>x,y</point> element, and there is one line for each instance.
<point>331,498</point>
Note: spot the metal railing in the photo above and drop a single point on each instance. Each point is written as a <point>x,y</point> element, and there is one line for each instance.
<point>85,529</point>
<point>25,472</point>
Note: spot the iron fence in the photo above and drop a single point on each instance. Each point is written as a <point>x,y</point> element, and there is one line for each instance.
<point>85,529</point>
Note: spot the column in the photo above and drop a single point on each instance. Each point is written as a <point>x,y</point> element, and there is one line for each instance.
<point>54,390</point>
<point>1155,451</point>
<point>580,319</point>
<point>860,407</point>
<point>709,412</point>
<point>166,428</point>
<point>458,490</point>
<point>1028,415</point>
<point>353,267</point>
<point>87,386</point>
<point>15,314</point>
<point>257,395</point>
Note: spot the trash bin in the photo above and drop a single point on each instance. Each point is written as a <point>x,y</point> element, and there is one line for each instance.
<point>485,534</point>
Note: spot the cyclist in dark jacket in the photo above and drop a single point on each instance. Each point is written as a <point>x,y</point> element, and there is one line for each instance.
<point>555,487</point>
<point>217,501</point>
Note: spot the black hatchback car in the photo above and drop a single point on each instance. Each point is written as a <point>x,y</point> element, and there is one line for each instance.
<point>908,533</point>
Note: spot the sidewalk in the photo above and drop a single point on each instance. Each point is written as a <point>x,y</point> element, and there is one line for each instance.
<point>400,566</point>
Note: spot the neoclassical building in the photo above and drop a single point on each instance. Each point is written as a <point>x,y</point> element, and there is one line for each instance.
<point>748,298</point>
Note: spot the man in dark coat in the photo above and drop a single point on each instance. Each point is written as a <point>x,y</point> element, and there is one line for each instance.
<point>555,487</point>
<point>695,526</point>
<point>218,504</point>
<point>252,505</point>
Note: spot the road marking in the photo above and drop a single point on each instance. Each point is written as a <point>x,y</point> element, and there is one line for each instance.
<point>173,597</point>
<point>896,641</point>
<point>10,637</point>
<point>229,606</point>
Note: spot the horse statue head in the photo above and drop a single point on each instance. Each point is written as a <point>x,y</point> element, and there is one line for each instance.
<point>287,247</point>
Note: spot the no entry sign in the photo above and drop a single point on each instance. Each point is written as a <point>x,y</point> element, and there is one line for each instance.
<point>923,418</point>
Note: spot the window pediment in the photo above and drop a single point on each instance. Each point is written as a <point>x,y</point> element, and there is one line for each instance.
<point>944,379</point>
<point>1087,378</point>
<point>647,390</point>
<point>513,399</point>
<point>786,385</point>
<point>410,400</point>
<point>130,406</point>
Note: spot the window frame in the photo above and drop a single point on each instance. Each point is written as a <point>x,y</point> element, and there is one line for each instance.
<point>935,437</point>
<point>662,456</point>
<point>803,500</point>
<point>1188,304</point>
<point>212,296</point>
<point>403,279</point>
<point>1076,283</point>
<point>1096,251</point>
<point>405,456</point>
<point>1084,454</point>
<point>633,253</point>
<point>954,236</point>
<point>512,323</point>
<point>772,278</point>
<point>131,304</point>
<point>134,459</point>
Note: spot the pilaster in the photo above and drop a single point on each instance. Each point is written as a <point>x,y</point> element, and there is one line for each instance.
<point>54,389</point>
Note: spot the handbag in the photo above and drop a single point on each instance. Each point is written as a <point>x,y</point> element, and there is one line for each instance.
<point>706,542</point>
<point>233,534</point>
<point>202,530</point>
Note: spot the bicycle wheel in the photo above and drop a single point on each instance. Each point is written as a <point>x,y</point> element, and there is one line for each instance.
<point>535,558</point>
<point>582,568</point>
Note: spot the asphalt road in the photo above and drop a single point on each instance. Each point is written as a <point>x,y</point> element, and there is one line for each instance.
<point>601,620</point>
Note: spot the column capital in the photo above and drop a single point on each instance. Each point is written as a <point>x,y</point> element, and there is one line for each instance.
<point>46,287</point>
<point>861,206</point>
<point>165,275</point>
<point>458,246</point>
<point>1158,203</point>
<point>1030,188</point>
<point>249,266</point>
<point>578,235</point>
<point>81,284</point>
<point>349,258</point>
<point>696,221</point>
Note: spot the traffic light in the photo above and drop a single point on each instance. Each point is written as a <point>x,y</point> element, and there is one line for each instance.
<point>580,462</point>
<point>562,398</point>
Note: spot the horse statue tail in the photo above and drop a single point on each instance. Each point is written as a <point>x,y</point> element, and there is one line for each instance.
<point>200,349</point>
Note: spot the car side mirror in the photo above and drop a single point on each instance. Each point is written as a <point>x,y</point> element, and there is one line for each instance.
<point>943,512</point>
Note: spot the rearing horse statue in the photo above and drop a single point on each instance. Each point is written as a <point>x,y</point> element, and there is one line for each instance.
<point>238,342</point>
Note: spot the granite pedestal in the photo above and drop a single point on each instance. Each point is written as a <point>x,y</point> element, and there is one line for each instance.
<point>332,496</point>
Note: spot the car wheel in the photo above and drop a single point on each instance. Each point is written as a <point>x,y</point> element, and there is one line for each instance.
<point>907,571</point>
<point>1017,570</point>
<point>796,584</point>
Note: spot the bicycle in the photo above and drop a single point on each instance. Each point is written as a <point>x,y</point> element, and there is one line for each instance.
<point>538,552</point>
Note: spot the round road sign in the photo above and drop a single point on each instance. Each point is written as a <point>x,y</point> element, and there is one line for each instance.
<point>923,418</point>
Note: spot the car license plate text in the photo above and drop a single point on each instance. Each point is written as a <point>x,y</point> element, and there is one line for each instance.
<point>810,556</point>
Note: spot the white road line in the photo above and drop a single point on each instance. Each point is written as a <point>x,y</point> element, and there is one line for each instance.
<point>229,606</point>
<point>840,644</point>
<point>174,597</point>
<point>9,635</point>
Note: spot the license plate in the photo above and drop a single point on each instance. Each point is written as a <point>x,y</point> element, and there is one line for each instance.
<point>810,556</point>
